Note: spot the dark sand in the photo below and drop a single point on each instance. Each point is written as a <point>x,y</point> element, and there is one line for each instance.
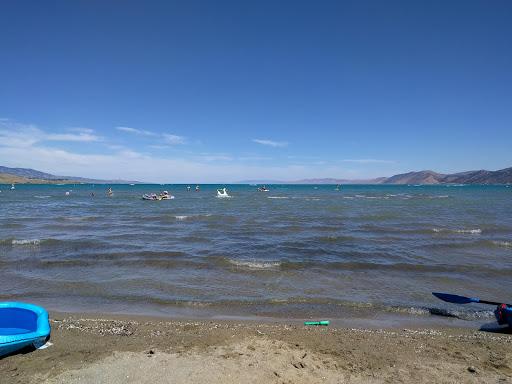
<point>142,350</point>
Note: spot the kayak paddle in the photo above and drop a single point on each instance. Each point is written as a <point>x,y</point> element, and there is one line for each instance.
<point>462,299</point>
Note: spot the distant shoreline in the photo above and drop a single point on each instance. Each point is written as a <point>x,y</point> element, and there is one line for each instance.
<point>71,182</point>
<point>480,177</point>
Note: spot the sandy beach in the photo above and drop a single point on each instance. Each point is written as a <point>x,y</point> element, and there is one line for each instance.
<point>92,349</point>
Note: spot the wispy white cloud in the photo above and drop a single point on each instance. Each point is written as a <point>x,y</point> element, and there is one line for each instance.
<point>368,161</point>
<point>81,137</point>
<point>254,158</point>
<point>173,139</point>
<point>29,146</point>
<point>81,130</point>
<point>132,165</point>
<point>136,131</point>
<point>271,143</point>
<point>16,134</point>
<point>167,138</point>
<point>210,157</point>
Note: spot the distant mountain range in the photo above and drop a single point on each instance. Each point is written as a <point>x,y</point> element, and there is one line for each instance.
<point>31,176</point>
<point>502,176</point>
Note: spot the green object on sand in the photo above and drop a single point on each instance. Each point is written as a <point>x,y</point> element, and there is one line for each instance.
<point>321,322</point>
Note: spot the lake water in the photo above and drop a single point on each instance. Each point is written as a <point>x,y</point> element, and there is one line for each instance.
<point>295,251</point>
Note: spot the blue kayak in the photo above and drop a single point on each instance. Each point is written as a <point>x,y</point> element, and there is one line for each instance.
<point>22,325</point>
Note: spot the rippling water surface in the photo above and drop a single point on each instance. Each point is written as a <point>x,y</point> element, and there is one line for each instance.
<point>293,251</point>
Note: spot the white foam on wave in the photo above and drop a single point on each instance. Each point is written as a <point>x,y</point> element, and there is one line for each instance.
<point>253,264</point>
<point>471,231</point>
<point>186,217</point>
<point>41,197</point>
<point>504,244</point>
<point>475,231</point>
<point>26,242</point>
<point>277,197</point>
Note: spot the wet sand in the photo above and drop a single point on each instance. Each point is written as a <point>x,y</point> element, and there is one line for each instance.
<point>150,350</point>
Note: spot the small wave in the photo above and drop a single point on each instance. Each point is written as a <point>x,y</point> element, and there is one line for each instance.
<point>277,197</point>
<point>42,196</point>
<point>255,264</point>
<point>196,217</point>
<point>459,314</point>
<point>368,197</point>
<point>79,244</point>
<point>475,231</point>
<point>471,231</point>
<point>78,218</point>
<point>26,242</point>
<point>503,244</point>
<point>335,238</point>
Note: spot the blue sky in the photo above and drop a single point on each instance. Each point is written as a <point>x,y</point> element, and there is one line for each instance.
<point>213,91</point>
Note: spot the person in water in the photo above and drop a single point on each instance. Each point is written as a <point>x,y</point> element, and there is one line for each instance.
<point>503,314</point>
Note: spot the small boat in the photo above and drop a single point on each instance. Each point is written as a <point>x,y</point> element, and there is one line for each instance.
<point>12,186</point>
<point>166,196</point>
<point>151,196</point>
<point>22,325</point>
<point>222,193</point>
<point>161,196</point>
<point>263,189</point>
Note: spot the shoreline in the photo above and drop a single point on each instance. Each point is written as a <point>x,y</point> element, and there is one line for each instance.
<point>343,316</point>
<point>131,349</point>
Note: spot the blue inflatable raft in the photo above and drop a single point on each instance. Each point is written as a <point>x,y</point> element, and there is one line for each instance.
<point>22,325</point>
